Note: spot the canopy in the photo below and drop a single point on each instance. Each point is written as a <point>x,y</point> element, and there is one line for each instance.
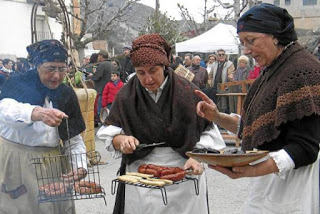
<point>222,36</point>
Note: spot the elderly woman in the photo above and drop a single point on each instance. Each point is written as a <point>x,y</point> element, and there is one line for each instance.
<point>280,114</point>
<point>157,105</point>
<point>32,107</point>
<point>243,69</point>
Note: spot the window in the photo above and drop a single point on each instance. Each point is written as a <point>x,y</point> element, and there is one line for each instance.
<point>276,2</point>
<point>287,2</point>
<point>309,2</point>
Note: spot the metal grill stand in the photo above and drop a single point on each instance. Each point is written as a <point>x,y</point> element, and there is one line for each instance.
<point>162,188</point>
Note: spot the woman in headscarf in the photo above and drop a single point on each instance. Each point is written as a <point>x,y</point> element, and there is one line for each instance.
<point>33,106</point>
<point>281,114</point>
<point>157,105</point>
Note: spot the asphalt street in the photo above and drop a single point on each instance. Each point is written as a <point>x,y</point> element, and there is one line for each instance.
<point>226,196</point>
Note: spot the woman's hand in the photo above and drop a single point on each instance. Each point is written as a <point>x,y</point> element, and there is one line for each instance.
<point>125,144</point>
<point>264,168</point>
<point>197,168</point>
<point>207,108</point>
<point>50,116</point>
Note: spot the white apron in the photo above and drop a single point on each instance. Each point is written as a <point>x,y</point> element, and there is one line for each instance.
<point>17,172</point>
<point>182,197</point>
<point>297,193</point>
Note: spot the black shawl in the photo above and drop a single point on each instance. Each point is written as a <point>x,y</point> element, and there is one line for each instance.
<point>27,88</point>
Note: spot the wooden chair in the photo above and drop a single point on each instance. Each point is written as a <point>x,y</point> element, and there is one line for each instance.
<point>241,95</point>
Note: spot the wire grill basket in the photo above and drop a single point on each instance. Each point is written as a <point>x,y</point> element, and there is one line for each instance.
<point>60,178</point>
<point>162,189</point>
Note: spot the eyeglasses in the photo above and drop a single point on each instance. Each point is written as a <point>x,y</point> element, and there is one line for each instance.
<point>248,43</point>
<point>221,54</point>
<point>52,69</point>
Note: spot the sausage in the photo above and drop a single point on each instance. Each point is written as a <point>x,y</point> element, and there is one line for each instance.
<point>88,184</point>
<point>142,168</point>
<point>51,187</point>
<point>154,172</point>
<point>87,190</point>
<point>54,189</point>
<point>87,187</point>
<point>156,167</point>
<point>54,192</point>
<point>171,170</point>
<point>174,177</point>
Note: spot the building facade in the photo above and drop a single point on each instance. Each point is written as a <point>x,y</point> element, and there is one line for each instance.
<point>15,25</point>
<point>306,13</point>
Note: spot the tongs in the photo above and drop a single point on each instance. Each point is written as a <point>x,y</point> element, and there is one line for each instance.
<point>143,145</point>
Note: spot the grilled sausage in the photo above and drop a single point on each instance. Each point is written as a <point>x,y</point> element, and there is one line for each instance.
<point>174,177</point>
<point>87,187</point>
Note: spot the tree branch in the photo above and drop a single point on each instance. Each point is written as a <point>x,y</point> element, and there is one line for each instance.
<point>224,5</point>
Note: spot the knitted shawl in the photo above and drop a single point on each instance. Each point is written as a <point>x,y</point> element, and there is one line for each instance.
<point>287,90</point>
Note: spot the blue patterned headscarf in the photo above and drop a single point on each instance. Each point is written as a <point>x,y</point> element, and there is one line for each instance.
<point>47,51</point>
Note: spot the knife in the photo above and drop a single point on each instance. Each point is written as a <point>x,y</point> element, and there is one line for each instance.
<point>143,145</point>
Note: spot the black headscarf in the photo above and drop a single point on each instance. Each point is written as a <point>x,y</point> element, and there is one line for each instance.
<point>269,19</point>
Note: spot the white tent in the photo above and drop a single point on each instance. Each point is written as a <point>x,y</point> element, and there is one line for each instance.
<point>222,36</point>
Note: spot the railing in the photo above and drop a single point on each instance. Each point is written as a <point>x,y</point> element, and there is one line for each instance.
<point>41,35</point>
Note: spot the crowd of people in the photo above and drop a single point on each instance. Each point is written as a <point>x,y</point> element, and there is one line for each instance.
<point>149,104</point>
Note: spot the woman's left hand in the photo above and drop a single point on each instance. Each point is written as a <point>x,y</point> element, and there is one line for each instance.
<point>264,168</point>
<point>197,168</point>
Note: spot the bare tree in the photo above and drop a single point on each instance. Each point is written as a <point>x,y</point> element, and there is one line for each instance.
<point>204,25</point>
<point>104,15</point>
<point>237,7</point>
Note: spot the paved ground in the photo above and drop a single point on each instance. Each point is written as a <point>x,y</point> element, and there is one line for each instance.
<point>226,196</point>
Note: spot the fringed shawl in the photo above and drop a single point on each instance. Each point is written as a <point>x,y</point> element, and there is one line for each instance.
<point>173,119</point>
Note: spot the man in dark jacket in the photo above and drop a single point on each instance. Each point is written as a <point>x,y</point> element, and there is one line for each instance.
<point>102,76</point>
<point>200,73</point>
<point>126,63</point>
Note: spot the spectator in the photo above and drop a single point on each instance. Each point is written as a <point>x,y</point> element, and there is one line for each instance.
<point>211,59</point>
<point>243,69</point>
<point>177,61</point>
<point>18,67</point>
<point>127,67</point>
<point>255,72</point>
<point>111,89</point>
<point>200,73</point>
<point>8,63</point>
<point>221,71</point>
<point>187,60</point>
<point>116,66</point>
<point>101,77</point>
